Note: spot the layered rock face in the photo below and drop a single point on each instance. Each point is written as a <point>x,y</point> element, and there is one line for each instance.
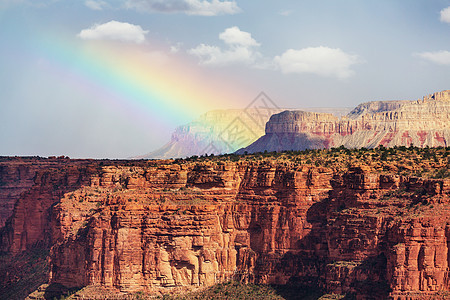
<point>153,226</point>
<point>37,184</point>
<point>391,123</point>
<point>15,178</point>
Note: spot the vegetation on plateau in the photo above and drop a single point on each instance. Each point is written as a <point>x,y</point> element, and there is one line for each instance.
<point>408,161</point>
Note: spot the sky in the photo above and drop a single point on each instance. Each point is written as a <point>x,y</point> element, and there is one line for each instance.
<point>113,79</point>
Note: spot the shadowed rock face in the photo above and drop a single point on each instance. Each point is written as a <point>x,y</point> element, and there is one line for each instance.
<point>37,184</point>
<point>390,123</point>
<point>158,224</point>
<point>14,180</point>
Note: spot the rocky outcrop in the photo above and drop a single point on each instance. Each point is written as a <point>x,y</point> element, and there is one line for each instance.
<point>393,123</point>
<point>159,225</point>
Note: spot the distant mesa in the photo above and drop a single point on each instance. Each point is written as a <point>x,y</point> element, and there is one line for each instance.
<point>424,122</point>
<point>222,131</point>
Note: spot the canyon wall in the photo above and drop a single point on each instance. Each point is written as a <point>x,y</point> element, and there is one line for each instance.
<point>389,123</point>
<point>15,178</point>
<point>158,225</point>
<point>37,184</point>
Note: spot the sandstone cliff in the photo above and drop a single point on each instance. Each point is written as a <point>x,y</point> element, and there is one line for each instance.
<point>345,222</point>
<point>16,177</point>
<point>391,123</point>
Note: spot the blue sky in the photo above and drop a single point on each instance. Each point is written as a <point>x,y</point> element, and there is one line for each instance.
<point>301,53</point>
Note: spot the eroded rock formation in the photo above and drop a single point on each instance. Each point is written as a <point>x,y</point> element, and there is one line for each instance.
<point>389,123</point>
<point>156,225</point>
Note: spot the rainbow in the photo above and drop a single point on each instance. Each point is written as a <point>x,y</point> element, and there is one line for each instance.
<point>139,80</point>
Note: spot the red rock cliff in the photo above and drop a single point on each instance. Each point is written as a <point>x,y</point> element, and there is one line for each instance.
<point>30,187</point>
<point>156,225</point>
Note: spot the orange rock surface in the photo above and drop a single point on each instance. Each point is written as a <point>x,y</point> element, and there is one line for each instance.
<point>159,225</point>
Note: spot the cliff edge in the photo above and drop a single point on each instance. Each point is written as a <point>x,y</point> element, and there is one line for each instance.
<point>351,222</point>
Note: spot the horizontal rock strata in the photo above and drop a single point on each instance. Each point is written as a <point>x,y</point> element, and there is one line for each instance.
<point>420,123</point>
<point>152,226</point>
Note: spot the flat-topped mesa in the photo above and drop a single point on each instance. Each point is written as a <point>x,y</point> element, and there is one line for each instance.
<point>300,121</point>
<point>215,131</point>
<point>389,123</point>
<point>208,133</point>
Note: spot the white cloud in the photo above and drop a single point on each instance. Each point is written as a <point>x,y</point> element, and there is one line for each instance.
<point>240,49</point>
<point>323,61</point>
<point>234,36</point>
<point>114,30</point>
<point>438,57</point>
<point>96,4</point>
<point>213,55</point>
<point>190,7</point>
<point>445,15</point>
